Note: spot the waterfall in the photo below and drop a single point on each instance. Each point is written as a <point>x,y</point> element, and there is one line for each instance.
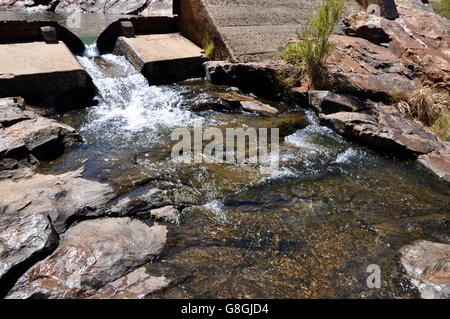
<point>128,107</point>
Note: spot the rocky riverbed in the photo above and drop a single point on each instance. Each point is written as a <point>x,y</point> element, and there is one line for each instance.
<point>92,206</point>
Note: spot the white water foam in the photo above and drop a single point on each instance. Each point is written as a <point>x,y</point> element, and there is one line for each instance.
<point>127,105</point>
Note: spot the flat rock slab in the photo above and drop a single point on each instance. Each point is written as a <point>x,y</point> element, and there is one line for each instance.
<point>40,71</point>
<point>163,58</point>
<point>427,265</point>
<point>91,255</point>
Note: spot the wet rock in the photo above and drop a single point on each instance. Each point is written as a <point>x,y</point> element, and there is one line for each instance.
<point>427,265</point>
<point>386,129</point>
<point>64,198</point>
<point>438,162</point>
<point>168,214</point>
<point>91,255</point>
<point>327,102</point>
<point>23,240</point>
<point>258,107</point>
<point>360,67</point>
<point>135,285</point>
<point>420,38</point>
<point>139,201</point>
<point>237,101</point>
<point>258,78</point>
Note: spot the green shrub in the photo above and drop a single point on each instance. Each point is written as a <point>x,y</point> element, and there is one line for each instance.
<point>442,7</point>
<point>310,52</point>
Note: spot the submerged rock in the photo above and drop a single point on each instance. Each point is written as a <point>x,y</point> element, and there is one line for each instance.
<point>92,255</point>
<point>65,198</point>
<point>23,240</point>
<point>386,129</point>
<point>427,265</point>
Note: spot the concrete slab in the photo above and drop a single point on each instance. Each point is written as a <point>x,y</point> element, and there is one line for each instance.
<point>163,58</point>
<point>250,30</point>
<point>43,73</point>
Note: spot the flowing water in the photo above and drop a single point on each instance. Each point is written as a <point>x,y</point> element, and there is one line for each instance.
<point>310,229</point>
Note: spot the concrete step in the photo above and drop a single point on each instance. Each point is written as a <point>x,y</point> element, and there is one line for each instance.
<point>43,73</point>
<point>163,58</point>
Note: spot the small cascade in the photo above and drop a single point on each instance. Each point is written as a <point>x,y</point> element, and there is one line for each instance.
<point>129,109</point>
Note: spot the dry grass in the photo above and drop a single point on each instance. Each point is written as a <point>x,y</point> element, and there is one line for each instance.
<point>209,49</point>
<point>429,106</point>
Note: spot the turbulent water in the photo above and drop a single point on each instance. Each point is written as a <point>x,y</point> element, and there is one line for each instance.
<point>310,229</point>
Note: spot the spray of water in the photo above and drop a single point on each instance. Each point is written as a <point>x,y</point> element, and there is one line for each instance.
<point>128,108</point>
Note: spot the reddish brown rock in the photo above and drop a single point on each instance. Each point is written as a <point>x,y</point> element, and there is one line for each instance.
<point>360,67</point>
<point>420,38</point>
<point>438,162</point>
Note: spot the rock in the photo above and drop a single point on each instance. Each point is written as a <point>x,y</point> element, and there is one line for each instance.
<point>65,198</point>
<point>438,162</point>
<point>236,101</point>
<point>44,138</point>
<point>427,265</point>
<point>168,214</point>
<point>386,129</point>
<point>258,107</point>
<point>327,102</point>
<point>91,255</point>
<point>420,38</point>
<point>26,137</point>
<point>360,67</point>
<point>139,201</point>
<point>262,79</point>
<point>136,285</point>
<point>24,239</point>
<point>11,111</point>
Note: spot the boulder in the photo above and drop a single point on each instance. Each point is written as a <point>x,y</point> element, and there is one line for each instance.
<point>135,285</point>
<point>438,162</point>
<point>65,198</point>
<point>91,255</point>
<point>24,239</point>
<point>358,66</point>
<point>420,38</point>
<point>327,102</point>
<point>262,79</point>
<point>427,265</point>
<point>26,137</point>
<point>385,129</point>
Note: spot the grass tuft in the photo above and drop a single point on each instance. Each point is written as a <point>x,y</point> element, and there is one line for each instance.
<point>310,52</point>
